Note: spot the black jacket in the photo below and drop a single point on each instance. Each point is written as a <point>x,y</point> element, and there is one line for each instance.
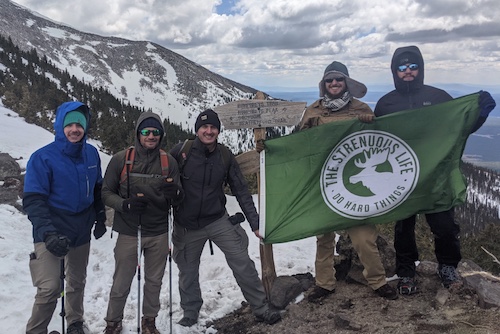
<point>203,178</point>
<point>409,94</point>
<point>413,94</point>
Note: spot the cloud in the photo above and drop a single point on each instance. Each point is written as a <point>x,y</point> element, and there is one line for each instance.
<point>248,40</point>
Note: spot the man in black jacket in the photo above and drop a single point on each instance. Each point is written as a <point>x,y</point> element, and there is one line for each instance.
<point>202,216</point>
<point>407,68</point>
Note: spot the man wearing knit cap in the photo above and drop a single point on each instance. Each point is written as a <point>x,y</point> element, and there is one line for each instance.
<point>407,68</point>
<point>62,197</point>
<point>141,196</point>
<point>202,216</point>
<point>338,92</point>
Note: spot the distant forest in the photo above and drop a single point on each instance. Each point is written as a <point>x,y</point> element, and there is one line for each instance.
<point>25,88</point>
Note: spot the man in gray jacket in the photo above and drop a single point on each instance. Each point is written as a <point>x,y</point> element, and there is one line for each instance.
<point>202,216</point>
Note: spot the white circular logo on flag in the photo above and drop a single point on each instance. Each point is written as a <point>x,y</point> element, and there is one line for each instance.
<point>368,173</point>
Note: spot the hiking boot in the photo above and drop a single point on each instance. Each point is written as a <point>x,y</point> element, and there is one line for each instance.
<point>319,293</point>
<point>407,285</point>
<point>449,276</point>
<point>269,317</point>
<point>187,322</point>
<point>76,328</point>
<point>113,327</point>
<point>148,326</point>
<point>388,292</point>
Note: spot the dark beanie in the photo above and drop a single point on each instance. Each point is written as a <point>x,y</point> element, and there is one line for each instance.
<point>338,67</point>
<point>150,122</point>
<point>408,58</point>
<point>207,117</point>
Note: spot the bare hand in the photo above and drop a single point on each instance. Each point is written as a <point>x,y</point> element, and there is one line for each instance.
<point>366,118</point>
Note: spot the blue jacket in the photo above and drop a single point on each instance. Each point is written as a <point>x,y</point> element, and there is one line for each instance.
<point>62,185</point>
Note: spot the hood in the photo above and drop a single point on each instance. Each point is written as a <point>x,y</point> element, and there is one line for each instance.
<point>403,86</point>
<point>142,117</point>
<point>72,149</point>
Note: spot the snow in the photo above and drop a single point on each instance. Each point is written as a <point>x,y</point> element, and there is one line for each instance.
<point>220,292</point>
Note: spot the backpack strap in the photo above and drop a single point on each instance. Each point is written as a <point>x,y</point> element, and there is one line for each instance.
<point>129,162</point>
<point>164,162</point>
<point>185,151</point>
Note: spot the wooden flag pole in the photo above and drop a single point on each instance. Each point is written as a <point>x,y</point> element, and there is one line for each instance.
<point>266,250</point>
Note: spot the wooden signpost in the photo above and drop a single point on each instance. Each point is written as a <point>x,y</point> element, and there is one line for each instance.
<point>259,114</point>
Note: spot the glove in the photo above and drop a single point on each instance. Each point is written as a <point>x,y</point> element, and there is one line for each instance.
<point>57,244</point>
<point>99,229</point>
<point>486,103</point>
<point>170,190</point>
<point>366,118</point>
<point>260,146</point>
<point>135,205</point>
<point>237,218</point>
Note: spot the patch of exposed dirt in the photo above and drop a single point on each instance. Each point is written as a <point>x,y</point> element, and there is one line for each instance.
<point>356,308</point>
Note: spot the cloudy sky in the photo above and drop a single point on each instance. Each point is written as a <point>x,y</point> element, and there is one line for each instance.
<point>288,43</point>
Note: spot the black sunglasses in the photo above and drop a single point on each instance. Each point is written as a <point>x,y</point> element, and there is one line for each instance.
<point>412,67</point>
<point>339,79</point>
<point>146,132</point>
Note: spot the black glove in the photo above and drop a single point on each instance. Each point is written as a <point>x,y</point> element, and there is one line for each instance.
<point>135,205</point>
<point>170,190</point>
<point>237,218</point>
<point>486,103</point>
<point>57,244</point>
<point>99,229</point>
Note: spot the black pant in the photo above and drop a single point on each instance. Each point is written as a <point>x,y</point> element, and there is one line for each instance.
<point>446,243</point>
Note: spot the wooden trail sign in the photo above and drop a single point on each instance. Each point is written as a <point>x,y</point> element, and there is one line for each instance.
<point>260,113</point>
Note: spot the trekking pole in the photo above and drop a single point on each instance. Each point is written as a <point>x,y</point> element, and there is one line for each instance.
<point>139,241</point>
<point>63,312</point>
<point>170,221</point>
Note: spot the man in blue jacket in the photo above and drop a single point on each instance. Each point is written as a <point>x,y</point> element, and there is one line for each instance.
<point>62,197</point>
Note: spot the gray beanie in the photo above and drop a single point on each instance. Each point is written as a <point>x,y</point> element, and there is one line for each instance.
<point>336,69</point>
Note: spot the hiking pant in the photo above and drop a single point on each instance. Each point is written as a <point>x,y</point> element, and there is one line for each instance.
<point>45,271</point>
<point>364,242</point>
<point>155,251</point>
<point>446,242</point>
<point>233,242</point>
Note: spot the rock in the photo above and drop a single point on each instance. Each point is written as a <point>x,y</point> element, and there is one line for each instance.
<point>486,286</point>
<point>284,290</point>
<point>8,167</point>
<point>442,296</point>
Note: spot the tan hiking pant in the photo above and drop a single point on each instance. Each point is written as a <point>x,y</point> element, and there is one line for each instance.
<point>364,241</point>
<point>45,271</point>
<point>155,251</point>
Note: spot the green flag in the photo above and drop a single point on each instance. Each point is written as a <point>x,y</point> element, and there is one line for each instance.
<point>348,173</point>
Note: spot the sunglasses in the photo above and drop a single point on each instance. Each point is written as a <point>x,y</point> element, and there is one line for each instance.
<point>146,132</point>
<point>339,79</point>
<point>412,67</point>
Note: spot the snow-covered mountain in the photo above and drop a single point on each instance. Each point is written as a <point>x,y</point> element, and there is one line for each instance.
<point>141,73</point>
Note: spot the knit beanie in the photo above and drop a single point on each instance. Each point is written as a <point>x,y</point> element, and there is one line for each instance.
<point>337,69</point>
<point>207,117</point>
<point>75,117</point>
<point>407,58</point>
<point>150,122</point>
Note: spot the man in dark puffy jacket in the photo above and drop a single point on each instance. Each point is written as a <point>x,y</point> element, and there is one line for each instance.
<point>202,216</point>
<point>62,196</point>
<point>141,197</point>
<point>407,68</point>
